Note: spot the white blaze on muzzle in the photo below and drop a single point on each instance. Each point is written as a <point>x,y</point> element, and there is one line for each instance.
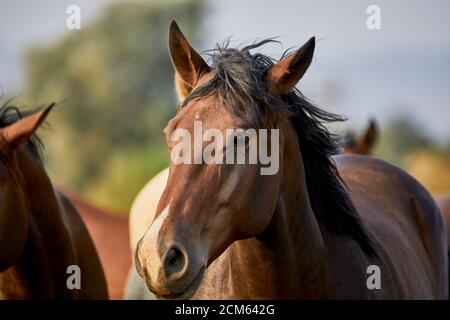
<point>149,250</point>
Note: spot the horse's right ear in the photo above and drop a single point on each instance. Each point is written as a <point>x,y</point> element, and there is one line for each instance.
<point>366,143</point>
<point>20,131</point>
<point>189,65</point>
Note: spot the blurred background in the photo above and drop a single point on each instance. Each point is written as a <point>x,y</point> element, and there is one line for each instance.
<point>113,79</point>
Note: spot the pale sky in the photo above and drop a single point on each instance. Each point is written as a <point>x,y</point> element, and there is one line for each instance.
<point>404,67</point>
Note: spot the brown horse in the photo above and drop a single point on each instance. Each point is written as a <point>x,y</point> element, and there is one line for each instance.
<point>109,232</point>
<point>365,143</point>
<point>42,238</point>
<point>227,231</point>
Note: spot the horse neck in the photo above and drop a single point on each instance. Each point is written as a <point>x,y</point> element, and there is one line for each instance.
<point>287,259</point>
<point>49,237</point>
<point>30,277</point>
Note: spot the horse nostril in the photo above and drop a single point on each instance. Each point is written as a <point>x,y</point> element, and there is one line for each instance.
<point>174,261</point>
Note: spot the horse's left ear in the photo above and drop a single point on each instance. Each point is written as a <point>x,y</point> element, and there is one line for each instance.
<point>20,131</point>
<point>188,63</point>
<point>284,75</point>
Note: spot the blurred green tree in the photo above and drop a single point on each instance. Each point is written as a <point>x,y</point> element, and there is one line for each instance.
<point>114,81</point>
<point>401,136</point>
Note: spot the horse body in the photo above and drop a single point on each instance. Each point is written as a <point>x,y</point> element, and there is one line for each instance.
<point>405,223</point>
<point>54,236</point>
<point>365,145</point>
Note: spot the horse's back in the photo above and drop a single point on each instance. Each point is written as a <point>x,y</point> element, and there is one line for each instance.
<point>93,281</point>
<point>144,206</point>
<point>403,218</point>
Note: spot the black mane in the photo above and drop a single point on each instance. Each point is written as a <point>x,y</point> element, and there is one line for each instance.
<point>239,81</point>
<point>349,139</point>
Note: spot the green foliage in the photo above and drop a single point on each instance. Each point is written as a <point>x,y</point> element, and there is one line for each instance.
<point>113,80</point>
<point>400,137</point>
<point>404,143</point>
<point>125,174</point>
